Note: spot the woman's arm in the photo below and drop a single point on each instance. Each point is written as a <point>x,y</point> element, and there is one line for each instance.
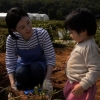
<point>49,72</point>
<point>48,49</point>
<point>50,59</point>
<point>11,59</point>
<point>12,79</point>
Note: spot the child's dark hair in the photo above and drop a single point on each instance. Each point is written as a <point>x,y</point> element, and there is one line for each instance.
<point>13,16</point>
<point>81,19</point>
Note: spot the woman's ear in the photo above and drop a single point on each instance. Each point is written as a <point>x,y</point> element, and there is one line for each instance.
<point>13,30</point>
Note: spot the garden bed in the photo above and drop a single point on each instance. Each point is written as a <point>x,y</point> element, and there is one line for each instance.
<point>58,78</point>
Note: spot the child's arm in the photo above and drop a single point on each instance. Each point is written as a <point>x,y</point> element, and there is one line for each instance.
<point>92,61</point>
<point>65,65</point>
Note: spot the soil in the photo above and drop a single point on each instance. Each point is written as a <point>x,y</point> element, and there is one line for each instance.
<point>58,76</point>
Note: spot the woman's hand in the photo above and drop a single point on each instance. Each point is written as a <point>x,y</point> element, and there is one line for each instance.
<point>14,87</point>
<point>78,90</point>
<point>47,85</point>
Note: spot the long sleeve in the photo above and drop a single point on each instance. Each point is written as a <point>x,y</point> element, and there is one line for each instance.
<point>48,48</point>
<point>11,57</point>
<point>92,60</point>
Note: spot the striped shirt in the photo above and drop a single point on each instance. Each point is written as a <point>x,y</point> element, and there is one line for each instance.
<point>43,39</point>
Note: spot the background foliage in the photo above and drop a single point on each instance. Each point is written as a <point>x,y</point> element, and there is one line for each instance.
<point>56,9</point>
<point>52,26</point>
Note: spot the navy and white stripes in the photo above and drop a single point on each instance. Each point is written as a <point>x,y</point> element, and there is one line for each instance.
<point>44,41</point>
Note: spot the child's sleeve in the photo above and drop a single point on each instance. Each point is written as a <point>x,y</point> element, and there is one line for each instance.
<point>91,55</point>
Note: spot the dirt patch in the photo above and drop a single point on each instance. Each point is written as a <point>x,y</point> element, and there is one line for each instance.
<point>58,76</point>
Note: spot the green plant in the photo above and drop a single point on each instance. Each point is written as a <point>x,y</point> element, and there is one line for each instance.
<point>36,95</point>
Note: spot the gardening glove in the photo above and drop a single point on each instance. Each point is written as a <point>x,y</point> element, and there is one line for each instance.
<point>14,87</point>
<point>47,85</point>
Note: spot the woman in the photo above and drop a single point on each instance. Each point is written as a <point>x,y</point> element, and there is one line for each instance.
<point>30,56</point>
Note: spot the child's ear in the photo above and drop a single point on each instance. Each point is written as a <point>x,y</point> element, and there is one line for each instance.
<point>84,31</point>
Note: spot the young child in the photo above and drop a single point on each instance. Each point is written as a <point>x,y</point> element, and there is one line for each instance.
<point>30,56</point>
<point>83,66</point>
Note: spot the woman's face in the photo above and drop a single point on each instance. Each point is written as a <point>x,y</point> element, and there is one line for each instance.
<point>24,27</point>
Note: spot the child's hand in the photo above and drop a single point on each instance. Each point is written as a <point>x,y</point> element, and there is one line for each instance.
<point>78,90</point>
<point>68,58</point>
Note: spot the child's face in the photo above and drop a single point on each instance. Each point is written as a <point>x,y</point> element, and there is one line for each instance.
<point>78,37</point>
<point>24,27</point>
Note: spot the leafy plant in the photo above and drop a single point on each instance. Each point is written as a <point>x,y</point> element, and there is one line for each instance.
<point>36,95</point>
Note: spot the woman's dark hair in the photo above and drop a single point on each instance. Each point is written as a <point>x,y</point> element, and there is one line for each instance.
<point>13,16</point>
<point>81,19</point>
